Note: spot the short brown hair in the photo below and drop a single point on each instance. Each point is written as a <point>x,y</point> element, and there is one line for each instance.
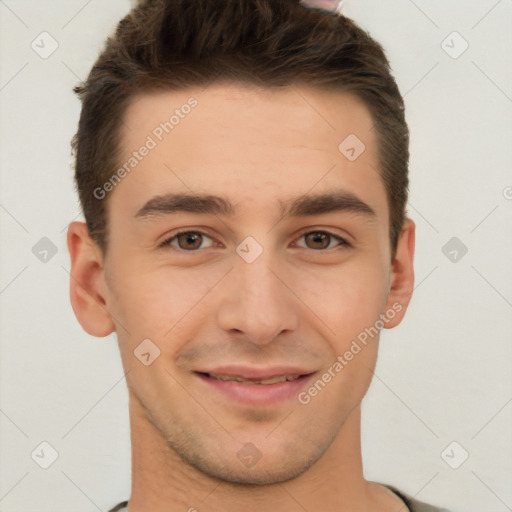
<point>175,44</point>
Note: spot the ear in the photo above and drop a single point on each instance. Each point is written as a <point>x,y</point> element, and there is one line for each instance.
<point>87,287</point>
<point>401,279</point>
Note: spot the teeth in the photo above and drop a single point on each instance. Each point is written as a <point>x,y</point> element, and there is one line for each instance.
<point>274,380</point>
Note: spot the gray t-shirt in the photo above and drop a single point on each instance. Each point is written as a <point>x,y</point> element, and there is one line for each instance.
<point>412,504</point>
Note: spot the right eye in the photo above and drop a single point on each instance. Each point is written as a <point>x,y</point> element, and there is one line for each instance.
<point>188,241</point>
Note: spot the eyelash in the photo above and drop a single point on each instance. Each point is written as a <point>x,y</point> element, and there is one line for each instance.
<point>342,245</point>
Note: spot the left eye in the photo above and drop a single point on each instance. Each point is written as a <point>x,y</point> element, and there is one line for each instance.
<point>320,237</point>
<point>190,241</point>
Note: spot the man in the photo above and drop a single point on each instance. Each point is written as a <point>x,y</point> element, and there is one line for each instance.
<point>242,167</point>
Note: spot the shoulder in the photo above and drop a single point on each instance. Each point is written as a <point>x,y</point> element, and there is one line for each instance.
<point>120,507</point>
<point>415,505</point>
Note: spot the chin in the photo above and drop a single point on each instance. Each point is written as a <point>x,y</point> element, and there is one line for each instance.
<point>249,466</point>
<point>258,476</point>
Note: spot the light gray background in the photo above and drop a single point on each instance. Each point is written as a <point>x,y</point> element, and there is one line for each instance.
<point>444,374</point>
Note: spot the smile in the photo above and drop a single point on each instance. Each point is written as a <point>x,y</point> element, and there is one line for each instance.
<point>274,380</point>
<point>268,391</point>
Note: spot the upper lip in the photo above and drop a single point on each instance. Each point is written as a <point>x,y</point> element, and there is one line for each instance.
<point>255,373</point>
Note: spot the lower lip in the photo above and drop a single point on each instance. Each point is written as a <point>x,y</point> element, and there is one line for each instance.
<point>258,394</point>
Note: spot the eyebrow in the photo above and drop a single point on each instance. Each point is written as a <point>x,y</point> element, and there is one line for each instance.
<point>312,204</point>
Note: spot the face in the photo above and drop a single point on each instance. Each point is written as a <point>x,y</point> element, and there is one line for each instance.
<point>253,293</point>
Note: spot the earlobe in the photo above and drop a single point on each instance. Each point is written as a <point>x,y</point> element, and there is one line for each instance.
<point>401,285</point>
<point>87,287</point>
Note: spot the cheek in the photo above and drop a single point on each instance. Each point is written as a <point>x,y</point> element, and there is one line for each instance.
<point>350,305</point>
<point>347,298</point>
<point>157,303</point>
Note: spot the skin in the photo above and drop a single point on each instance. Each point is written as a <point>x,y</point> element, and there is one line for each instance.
<point>298,303</point>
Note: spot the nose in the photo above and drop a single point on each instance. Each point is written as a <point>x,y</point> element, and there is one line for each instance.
<point>257,302</point>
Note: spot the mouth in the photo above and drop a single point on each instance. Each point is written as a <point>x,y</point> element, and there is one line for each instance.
<point>265,382</point>
<point>262,390</point>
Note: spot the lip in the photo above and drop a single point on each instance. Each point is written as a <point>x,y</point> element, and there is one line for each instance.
<point>254,373</point>
<point>256,394</point>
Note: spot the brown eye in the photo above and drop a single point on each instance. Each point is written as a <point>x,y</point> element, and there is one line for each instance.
<point>321,240</point>
<point>188,241</point>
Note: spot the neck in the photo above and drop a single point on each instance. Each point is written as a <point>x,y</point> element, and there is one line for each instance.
<point>163,482</point>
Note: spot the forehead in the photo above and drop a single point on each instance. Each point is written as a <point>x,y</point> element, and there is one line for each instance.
<point>254,143</point>
<point>324,117</point>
